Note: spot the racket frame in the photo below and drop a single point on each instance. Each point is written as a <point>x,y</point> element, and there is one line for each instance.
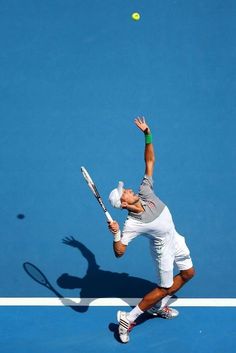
<point>95,192</point>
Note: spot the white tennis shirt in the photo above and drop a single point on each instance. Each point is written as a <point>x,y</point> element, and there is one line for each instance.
<point>138,223</point>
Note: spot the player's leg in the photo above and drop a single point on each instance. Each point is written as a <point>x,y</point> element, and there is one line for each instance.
<point>167,285</point>
<point>127,319</point>
<point>164,267</point>
<point>183,262</point>
<point>185,266</point>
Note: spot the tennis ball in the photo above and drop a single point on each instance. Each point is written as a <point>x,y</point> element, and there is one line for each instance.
<point>136,16</point>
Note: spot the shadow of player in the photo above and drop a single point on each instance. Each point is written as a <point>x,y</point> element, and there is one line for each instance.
<point>98,283</point>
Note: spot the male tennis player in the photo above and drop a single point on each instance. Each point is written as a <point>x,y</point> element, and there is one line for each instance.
<point>148,215</point>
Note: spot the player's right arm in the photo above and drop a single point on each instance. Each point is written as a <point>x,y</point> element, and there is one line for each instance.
<point>118,247</point>
<point>149,155</point>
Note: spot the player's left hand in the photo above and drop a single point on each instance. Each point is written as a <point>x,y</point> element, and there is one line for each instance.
<point>142,125</point>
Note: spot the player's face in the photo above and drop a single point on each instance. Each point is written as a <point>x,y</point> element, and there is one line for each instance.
<point>129,196</point>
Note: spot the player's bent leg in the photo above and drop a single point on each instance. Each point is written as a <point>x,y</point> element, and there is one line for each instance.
<point>179,280</point>
<point>152,297</point>
<point>165,282</point>
<point>188,274</point>
<point>160,308</point>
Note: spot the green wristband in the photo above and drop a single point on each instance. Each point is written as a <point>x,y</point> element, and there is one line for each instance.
<point>148,139</point>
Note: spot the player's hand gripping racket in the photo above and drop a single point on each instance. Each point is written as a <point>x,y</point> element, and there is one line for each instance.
<point>94,190</point>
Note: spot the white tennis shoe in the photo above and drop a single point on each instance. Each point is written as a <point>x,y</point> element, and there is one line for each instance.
<point>165,313</point>
<point>125,326</point>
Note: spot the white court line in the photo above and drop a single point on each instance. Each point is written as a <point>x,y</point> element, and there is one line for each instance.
<point>187,302</point>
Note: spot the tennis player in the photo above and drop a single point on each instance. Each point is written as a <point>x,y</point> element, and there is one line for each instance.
<point>149,216</point>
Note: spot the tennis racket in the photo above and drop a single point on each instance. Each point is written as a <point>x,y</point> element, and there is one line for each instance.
<point>94,190</point>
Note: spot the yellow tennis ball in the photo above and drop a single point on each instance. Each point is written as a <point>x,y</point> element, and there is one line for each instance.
<point>136,16</point>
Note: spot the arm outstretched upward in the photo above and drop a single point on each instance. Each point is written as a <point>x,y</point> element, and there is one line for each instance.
<point>149,155</point>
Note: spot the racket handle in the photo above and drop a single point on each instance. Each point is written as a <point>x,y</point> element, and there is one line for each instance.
<point>109,218</point>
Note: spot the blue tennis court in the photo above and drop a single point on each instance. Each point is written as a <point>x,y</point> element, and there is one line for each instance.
<point>73,76</point>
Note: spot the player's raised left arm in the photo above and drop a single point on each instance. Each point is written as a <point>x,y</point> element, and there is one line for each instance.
<point>149,155</point>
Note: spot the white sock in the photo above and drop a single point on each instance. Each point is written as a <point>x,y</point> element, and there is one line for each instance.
<point>163,302</point>
<point>133,314</point>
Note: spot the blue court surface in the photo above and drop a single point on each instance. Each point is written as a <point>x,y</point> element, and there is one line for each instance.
<point>73,76</point>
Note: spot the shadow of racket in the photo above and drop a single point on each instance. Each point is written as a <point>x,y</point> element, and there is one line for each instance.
<point>38,276</point>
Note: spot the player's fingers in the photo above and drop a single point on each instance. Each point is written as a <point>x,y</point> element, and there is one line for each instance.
<point>140,119</point>
<point>113,228</point>
<point>138,122</point>
<point>112,224</point>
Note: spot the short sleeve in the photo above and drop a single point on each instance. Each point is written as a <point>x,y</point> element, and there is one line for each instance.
<point>146,186</point>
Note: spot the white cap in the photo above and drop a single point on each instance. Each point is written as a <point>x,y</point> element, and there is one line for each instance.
<point>116,194</point>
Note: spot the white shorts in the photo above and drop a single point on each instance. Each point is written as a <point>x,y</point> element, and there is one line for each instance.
<point>168,248</point>
<point>173,252</point>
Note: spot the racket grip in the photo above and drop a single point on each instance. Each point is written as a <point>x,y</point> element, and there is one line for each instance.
<point>109,218</point>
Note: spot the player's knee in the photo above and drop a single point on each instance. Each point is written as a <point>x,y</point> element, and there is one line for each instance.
<point>160,292</point>
<point>165,290</point>
<point>188,274</point>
